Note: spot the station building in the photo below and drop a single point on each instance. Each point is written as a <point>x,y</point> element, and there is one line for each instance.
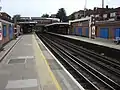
<point>98,29</point>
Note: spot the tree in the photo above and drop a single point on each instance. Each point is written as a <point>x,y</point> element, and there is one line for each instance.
<point>62,15</point>
<point>45,15</point>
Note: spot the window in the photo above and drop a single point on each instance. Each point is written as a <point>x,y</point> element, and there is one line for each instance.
<point>97,15</point>
<point>4,31</point>
<point>104,15</point>
<point>112,14</point>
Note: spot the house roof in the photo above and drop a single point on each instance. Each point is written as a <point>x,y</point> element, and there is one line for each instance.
<point>57,24</point>
<point>77,20</point>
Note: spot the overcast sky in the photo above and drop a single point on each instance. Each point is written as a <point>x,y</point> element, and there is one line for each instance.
<point>39,7</point>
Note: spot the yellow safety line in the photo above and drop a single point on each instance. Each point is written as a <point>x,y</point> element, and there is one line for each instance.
<point>50,72</point>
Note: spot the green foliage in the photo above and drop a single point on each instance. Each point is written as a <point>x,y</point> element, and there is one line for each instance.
<point>62,15</point>
<point>45,15</point>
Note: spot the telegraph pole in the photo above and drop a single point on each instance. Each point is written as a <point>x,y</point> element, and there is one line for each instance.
<point>0,6</point>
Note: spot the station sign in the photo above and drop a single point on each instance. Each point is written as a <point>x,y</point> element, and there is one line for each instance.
<point>93,30</point>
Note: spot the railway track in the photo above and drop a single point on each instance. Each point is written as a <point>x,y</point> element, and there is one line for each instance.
<point>92,71</point>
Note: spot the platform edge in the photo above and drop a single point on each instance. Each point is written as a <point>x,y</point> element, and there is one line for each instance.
<point>81,88</point>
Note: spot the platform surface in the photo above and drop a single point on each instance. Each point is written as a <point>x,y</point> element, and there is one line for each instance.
<point>29,66</point>
<point>25,68</point>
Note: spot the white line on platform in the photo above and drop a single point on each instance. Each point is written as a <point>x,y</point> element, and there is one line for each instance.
<point>27,57</point>
<point>28,44</point>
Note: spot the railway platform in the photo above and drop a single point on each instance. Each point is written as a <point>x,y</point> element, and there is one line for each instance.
<point>26,64</point>
<point>97,41</point>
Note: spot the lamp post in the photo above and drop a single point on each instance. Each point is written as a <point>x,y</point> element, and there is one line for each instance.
<point>102,3</point>
<point>85,7</point>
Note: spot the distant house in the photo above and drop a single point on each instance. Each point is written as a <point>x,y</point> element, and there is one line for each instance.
<point>76,15</point>
<point>79,14</point>
<point>53,16</point>
<point>99,13</point>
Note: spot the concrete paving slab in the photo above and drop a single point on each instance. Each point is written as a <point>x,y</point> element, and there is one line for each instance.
<point>62,80</point>
<point>14,89</point>
<point>47,55</point>
<point>41,47</point>
<point>14,67</point>
<point>22,83</point>
<point>53,64</point>
<point>3,81</point>
<point>4,72</point>
<point>49,87</point>
<point>65,80</point>
<point>32,88</point>
<point>26,74</point>
<point>14,76</point>
<point>29,66</point>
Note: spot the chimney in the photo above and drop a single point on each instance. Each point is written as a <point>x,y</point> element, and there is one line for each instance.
<point>94,8</point>
<point>106,6</point>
